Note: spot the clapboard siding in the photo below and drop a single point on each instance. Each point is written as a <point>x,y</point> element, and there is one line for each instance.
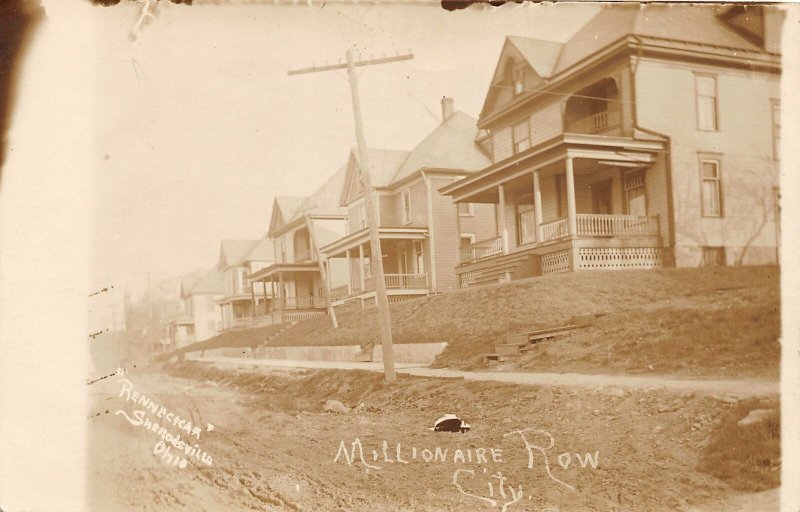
<point>546,122</point>
<point>502,144</point>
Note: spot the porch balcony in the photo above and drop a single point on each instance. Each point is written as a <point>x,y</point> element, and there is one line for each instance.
<point>589,225</point>
<point>606,120</point>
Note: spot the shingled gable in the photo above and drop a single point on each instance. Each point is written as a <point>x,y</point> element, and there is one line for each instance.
<point>284,209</point>
<point>233,252</point>
<point>538,58</point>
<point>385,163</point>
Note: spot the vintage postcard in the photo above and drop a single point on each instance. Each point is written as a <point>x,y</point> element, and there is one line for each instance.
<point>417,256</point>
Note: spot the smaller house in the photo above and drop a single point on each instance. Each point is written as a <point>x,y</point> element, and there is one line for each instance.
<point>420,229</point>
<point>204,307</point>
<point>298,278</point>
<point>241,301</point>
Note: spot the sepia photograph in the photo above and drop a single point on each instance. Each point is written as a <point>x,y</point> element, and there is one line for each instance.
<point>397,256</point>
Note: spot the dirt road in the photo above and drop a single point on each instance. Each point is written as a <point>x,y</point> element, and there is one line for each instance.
<point>275,448</point>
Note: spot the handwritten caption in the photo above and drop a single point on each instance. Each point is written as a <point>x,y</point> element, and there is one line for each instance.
<point>498,491</point>
<point>186,449</point>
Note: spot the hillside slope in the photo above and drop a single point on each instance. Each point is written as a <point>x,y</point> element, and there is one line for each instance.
<point>709,321</point>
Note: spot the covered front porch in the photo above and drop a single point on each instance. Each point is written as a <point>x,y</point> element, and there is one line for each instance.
<point>403,265</point>
<point>584,203</point>
<point>293,290</point>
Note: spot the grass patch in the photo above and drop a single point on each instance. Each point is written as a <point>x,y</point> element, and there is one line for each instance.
<point>748,457</point>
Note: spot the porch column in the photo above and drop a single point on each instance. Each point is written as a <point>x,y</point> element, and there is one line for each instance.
<point>281,290</point>
<point>537,205</point>
<point>274,296</point>
<point>572,216</point>
<point>349,273</point>
<point>361,267</point>
<point>264,293</point>
<point>501,192</point>
<point>328,277</point>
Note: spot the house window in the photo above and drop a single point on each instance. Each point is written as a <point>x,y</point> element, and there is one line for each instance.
<point>466,239</point>
<point>515,75</point>
<point>711,191</point>
<point>466,210</point>
<point>190,330</point>
<point>406,200</point>
<point>522,137</point>
<point>526,220</point>
<point>633,183</point>
<point>776,129</point>
<point>706,89</point>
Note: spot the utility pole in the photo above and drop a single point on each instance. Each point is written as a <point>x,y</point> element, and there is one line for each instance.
<point>365,165</point>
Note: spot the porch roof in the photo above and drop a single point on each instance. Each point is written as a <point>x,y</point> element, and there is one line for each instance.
<point>622,151</point>
<point>277,268</point>
<point>362,236</point>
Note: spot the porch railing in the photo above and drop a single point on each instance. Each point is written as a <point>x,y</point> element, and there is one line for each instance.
<point>616,225</point>
<point>596,123</point>
<point>340,292</point>
<point>590,224</point>
<point>300,303</point>
<point>554,230</point>
<point>480,250</point>
<point>399,282</point>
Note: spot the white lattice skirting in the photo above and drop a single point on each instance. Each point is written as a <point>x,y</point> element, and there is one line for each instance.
<point>555,262</point>
<point>619,258</point>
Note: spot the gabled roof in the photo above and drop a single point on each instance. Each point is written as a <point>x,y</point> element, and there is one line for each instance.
<point>238,252</point>
<point>323,202</point>
<point>450,146</point>
<point>540,54</point>
<point>385,163</point>
<point>232,252</point>
<point>262,250</point>
<point>688,23</point>
<point>212,283</point>
<point>187,283</point>
<point>683,26</point>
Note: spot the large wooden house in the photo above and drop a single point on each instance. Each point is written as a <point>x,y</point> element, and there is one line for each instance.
<point>650,138</point>
<point>420,229</point>
<point>298,279</point>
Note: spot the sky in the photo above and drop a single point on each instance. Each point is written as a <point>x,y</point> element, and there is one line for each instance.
<point>197,124</point>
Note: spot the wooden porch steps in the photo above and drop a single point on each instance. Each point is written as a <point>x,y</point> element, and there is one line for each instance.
<point>516,345</point>
<point>505,268</point>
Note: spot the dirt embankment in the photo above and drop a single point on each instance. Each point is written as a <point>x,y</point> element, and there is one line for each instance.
<point>720,322</point>
<point>275,448</point>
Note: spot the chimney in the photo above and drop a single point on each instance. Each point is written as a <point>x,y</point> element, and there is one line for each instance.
<point>447,108</point>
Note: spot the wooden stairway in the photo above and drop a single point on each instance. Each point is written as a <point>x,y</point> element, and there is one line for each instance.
<point>516,345</point>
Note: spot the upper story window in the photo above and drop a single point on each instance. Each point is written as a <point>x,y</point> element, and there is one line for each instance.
<point>706,90</point>
<point>776,129</point>
<point>712,188</point>
<point>515,76</point>
<point>406,200</point>
<point>466,210</point>
<point>522,136</point>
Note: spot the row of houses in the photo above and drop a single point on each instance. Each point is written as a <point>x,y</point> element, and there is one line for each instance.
<point>650,138</point>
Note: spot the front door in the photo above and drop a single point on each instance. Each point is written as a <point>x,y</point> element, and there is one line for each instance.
<point>601,197</point>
